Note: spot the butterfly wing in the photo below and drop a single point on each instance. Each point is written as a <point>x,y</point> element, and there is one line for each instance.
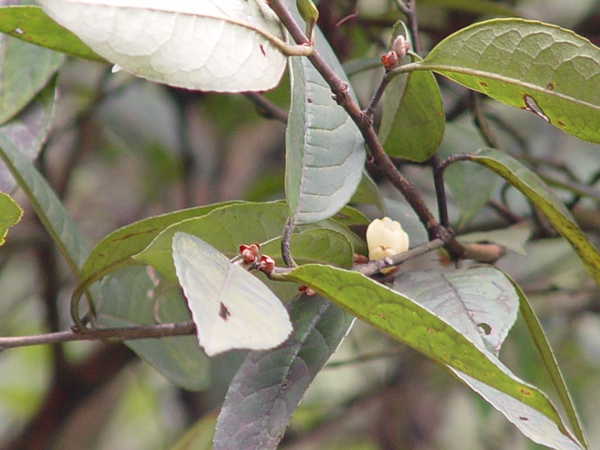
<point>231,308</point>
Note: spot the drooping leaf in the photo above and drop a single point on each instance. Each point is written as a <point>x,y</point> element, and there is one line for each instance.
<point>46,205</point>
<point>25,70</point>
<point>128,300</point>
<point>480,303</point>
<point>547,356</point>
<point>28,130</point>
<point>269,385</point>
<point>10,214</point>
<point>412,119</point>
<point>223,46</point>
<point>325,151</point>
<point>30,24</point>
<point>418,327</point>
<point>232,308</point>
<point>545,200</point>
<point>541,68</point>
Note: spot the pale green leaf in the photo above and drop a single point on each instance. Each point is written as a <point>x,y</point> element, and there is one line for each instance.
<point>512,238</point>
<point>213,45</point>
<point>325,151</point>
<point>542,68</point>
<point>480,303</point>
<point>405,320</point>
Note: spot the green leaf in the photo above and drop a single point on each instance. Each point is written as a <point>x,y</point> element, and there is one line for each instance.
<point>541,68</point>
<point>545,200</point>
<point>325,151</point>
<point>412,121</point>
<point>368,193</point>
<point>10,214</point>
<point>405,320</point>
<point>28,130</point>
<point>128,300</point>
<point>229,227</point>
<point>269,385</point>
<point>26,70</point>
<point>480,303</point>
<point>116,249</point>
<point>30,24</point>
<point>547,356</point>
<point>46,205</point>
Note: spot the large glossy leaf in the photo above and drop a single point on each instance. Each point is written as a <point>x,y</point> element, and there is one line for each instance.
<point>128,299</point>
<point>404,319</point>
<point>30,24</point>
<point>28,130</point>
<point>412,119</point>
<point>211,45</point>
<point>481,303</point>
<point>269,385</point>
<point>541,68</point>
<point>25,70</point>
<point>10,214</point>
<point>325,151</point>
<point>545,200</point>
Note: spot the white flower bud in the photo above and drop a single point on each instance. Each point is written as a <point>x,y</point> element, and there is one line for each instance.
<point>386,238</point>
<point>401,46</point>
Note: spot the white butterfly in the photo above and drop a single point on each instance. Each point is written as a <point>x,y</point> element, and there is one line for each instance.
<point>209,45</point>
<point>231,307</point>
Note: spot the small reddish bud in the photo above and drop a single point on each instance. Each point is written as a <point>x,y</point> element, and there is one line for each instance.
<point>249,252</point>
<point>266,264</point>
<point>390,60</point>
<point>400,46</point>
<point>306,290</point>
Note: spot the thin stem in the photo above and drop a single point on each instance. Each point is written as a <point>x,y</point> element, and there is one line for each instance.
<point>266,108</point>
<point>440,190</point>
<point>383,84</point>
<point>285,243</point>
<point>341,92</point>
<point>92,334</point>
<point>481,121</point>
<point>409,9</point>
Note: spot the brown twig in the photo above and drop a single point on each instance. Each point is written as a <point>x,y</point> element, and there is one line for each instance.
<point>267,108</point>
<point>94,334</point>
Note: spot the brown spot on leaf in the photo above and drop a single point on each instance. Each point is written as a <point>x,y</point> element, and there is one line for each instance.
<point>525,392</point>
<point>483,84</point>
<point>550,86</point>
<point>224,312</point>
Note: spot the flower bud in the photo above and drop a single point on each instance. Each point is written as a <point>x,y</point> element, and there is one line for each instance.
<point>400,46</point>
<point>386,238</point>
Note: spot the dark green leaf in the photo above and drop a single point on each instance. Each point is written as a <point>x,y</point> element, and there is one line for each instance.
<point>268,387</point>
<point>26,70</point>
<point>28,130</point>
<point>30,24</point>
<point>412,121</point>
<point>128,300</point>
<point>541,68</point>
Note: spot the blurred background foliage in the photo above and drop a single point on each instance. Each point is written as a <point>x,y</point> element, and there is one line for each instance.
<point>122,149</point>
